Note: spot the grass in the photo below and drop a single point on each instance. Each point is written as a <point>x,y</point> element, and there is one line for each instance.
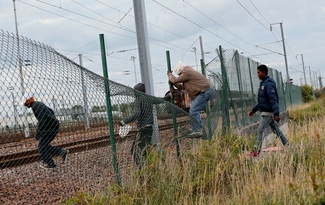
<point>218,171</point>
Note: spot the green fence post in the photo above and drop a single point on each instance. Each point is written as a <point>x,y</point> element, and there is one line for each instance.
<point>240,87</point>
<point>225,87</point>
<point>280,80</point>
<point>109,109</point>
<point>207,106</point>
<point>173,109</point>
<point>252,87</point>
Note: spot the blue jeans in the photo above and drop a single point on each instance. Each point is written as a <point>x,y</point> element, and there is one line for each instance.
<point>197,105</point>
<point>266,121</point>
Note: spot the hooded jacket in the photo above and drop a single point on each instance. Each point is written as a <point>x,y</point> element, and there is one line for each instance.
<point>268,100</point>
<point>142,116</point>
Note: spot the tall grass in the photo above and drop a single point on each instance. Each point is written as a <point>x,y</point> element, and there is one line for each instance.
<point>219,172</point>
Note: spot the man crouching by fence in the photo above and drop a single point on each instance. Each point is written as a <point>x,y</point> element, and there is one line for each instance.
<point>48,127</point>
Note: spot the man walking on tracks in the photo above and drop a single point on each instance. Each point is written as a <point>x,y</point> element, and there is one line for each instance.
<point>48,127</point>
<point>268,105</point>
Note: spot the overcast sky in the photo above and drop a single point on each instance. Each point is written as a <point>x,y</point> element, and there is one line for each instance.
<point>72,27</point>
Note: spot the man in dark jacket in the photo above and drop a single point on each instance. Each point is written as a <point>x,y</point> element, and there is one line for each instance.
<point>143,118</point>
<point>48,127</point>
<point>268,105</point>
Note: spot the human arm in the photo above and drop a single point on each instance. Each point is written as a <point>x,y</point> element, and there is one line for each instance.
<point>273,98</point>
<point>183,77</point>
<point>45,117</point>
<point>136,114</point>
<point>168,96</point>
<point>255,109</point>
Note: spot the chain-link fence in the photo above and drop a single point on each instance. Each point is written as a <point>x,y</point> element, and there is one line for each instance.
<point>89,109</point>
<point>235,79</point>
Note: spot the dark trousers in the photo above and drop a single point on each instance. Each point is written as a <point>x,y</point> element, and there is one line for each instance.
<point>45,149</point>
<point>140,144</point>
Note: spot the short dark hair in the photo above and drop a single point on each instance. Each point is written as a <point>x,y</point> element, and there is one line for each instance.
<point>263,68</point>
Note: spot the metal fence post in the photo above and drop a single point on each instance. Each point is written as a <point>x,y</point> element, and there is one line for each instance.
<point>109,109</point>
<point>224,99</point>
<point>207,106</point>
<point>251,80</point>
<point>173,109</point>
<point>240,87</point>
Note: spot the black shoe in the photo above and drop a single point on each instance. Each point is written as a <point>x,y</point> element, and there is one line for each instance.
<point>64,155</point>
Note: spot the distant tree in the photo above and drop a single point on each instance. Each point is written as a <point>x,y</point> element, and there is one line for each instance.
<point>75,113</point>
<point>319,93</point>
<point>77,107</point>
<point>95,109</point>
<point>307,93</point>
<point>98,108</point>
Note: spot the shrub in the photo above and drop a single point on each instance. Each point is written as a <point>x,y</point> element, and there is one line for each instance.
<point>307,93</point>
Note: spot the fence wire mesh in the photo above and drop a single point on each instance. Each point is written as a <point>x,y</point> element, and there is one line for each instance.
<point>235,78</point>
<point>89,109</point>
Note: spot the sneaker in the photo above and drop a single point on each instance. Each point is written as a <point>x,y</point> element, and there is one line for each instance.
<point>196,133</point>
<point>64,155</point>
<point>47,167</point>
<point>253,154</point>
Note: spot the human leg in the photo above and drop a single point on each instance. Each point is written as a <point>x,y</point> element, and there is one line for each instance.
<point>141,143</point>
<point>275,128</point>
<point>264,123</point>
<point>196,107</point>
<point>46,150</point>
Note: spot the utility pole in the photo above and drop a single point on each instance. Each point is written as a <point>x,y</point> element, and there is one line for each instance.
<point>202,53</point>
<point>315,80</point>
<point>284,50</point>
<point>194,50</point>
<point>84,92</point>
<point>14,105</point>
<point>311,81</point>
<point>135,71</point>
<point>27,133</point>
<point>303,66</point>
<point>320,82</point>
<point>144,58</point>
<point>285,59</point>
<point>143,45</point>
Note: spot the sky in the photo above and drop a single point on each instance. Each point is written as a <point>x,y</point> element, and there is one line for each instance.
<point>72,27</point>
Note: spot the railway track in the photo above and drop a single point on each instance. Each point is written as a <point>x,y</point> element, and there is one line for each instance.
<point>25,157</point>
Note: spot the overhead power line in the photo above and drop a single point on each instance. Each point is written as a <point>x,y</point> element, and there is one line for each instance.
<point>99,28</point>
<point>259,12</point>
<point>252,15</point>
<point>199,26</point>
<point>216,23</point>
